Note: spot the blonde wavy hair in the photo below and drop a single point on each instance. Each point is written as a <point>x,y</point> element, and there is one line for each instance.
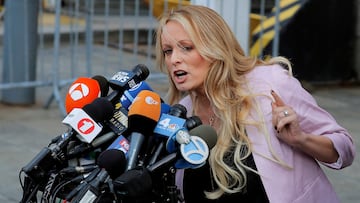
<point>215,42</point>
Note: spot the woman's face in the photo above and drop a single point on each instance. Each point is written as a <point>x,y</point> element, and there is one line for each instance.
<point>186,67</point>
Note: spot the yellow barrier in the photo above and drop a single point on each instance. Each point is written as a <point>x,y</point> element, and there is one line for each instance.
<point>288,8</point>
<point>159,5</point>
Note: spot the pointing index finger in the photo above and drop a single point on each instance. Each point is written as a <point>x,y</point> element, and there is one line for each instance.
<point>278,100</point>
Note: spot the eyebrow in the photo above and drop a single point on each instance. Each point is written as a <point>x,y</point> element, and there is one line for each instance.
<point>187,41</point>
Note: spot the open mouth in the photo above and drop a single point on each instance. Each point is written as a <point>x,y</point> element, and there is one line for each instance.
<point>180,73</point>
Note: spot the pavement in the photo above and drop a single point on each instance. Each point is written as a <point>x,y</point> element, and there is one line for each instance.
<point>26,129</point>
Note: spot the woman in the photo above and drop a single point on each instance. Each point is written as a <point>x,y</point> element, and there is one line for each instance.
<point>271,132</point>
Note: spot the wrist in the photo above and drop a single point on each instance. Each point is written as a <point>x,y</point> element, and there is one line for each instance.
<point>303,138</point>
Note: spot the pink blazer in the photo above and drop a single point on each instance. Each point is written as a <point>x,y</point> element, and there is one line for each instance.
<point>305,182</point>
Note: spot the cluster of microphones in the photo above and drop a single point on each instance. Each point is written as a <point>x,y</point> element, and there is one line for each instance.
<point>124,144</point>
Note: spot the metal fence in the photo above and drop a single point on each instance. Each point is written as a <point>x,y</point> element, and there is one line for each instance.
<point>50,46</point>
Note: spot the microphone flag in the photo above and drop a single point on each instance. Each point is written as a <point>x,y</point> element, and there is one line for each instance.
<point>83,124</point>
<point>196,151</point>
<point>168,125</point>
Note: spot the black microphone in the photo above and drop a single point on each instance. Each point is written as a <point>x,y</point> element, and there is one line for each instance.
<point>103,84</point>
<point>98,142</point>
<point>193,122</point>
<point>178,110</point>
<point>100,109</point>
<point>118,122</point>
<point>112,163</point>
<point>138,182</point>
<point>142,119</point>
<point>125,80</point>
<point>54,156</point>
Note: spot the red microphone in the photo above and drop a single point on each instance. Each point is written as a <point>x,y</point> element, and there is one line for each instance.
<point>81,92</point>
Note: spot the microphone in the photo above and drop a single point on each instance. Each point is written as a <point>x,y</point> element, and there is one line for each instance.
<point>81,92</point>
<point>129,95</point>
<point>51,157</point>
<point>165,108</point>
<point>137,183</point>
<point>178,110</point>
<point>181,135</point>
<point>100,109</point>
<point>207,133</point>
<point>121,143</point>
<point>192,122</point>
<point>170,122</point>
<point>87,147</point>
<point>125,80</point>
<point>142,119</point>
<point>194,154</point>
<point>112,163</point>
<point>103,84</point>
<point>81,120</point>
<point>118,123</point>
<point>154,144</point>
<point>54,156</point>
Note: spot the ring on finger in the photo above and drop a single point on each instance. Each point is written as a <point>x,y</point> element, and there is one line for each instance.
<point>286,113</point>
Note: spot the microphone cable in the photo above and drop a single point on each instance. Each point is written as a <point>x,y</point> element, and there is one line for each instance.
<point>62,184</point>
<point>29,188</point>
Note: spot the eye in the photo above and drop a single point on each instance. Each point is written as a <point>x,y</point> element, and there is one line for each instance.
<point>186,48</point>
<point>167,51</point>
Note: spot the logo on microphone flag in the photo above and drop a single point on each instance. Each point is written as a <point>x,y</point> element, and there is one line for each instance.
<point>78,91</point>
<point>168,125</point>
<point>86,126</point>
<point>151,101</point>
<point>122,77</point>
<point>196,151</point>
<point>83,124</point>
<point>121,143</point>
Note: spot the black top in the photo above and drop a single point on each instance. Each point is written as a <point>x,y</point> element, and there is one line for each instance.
<point>196,181</point>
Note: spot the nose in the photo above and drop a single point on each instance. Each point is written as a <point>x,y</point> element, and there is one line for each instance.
<point>176,57</point>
